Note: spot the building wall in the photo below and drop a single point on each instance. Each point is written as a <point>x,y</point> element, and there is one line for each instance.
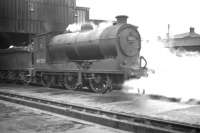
<point>82,15</point>
<point>188,41</point>
<point>22,19</point>
<point>36,16</point>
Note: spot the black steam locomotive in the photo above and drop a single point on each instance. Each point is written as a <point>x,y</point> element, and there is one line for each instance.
<point>98,59</point>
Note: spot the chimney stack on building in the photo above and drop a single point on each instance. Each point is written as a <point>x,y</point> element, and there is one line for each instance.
<point>122,19</point>
<point>192,30</point>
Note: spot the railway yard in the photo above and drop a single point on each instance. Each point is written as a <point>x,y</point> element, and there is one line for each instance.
<point>62,71</point>
<point>18,119</point>
<point>127,112</point>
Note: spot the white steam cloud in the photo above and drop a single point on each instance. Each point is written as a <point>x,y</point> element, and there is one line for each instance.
<point>76,27</point>
<point>176,74</point>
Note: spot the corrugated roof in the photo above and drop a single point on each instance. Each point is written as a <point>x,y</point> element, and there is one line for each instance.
<point>187,34</point>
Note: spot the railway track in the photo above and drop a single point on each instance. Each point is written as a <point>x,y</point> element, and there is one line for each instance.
<point>122,121</point>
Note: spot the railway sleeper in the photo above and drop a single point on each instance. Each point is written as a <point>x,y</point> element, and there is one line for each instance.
<point>104,118</point>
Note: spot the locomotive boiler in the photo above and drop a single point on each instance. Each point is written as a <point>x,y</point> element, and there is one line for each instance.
<point>105,56</point>
<point>99,59</point>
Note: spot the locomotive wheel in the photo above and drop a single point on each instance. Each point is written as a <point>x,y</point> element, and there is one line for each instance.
<point>48,81</point>
<point>21,77</point>
<point>4,76</point>
<point>26,80</point>
<point>18,78</point>
<point>12,76</point>
<point>98,84</point>
<point>1,76</point>
<point>70,82</point>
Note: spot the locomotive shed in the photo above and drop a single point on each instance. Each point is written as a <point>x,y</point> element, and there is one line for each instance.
<point>115,101</point>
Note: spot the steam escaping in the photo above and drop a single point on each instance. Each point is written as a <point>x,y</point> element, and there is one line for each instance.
<point>73,27</point>
<point>176,73</point>
<point>76,27</point>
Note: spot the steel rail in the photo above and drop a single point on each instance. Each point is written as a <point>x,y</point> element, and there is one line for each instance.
<point>135,123</point>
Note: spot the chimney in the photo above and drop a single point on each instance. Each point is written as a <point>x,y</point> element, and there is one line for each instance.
<point>122,19</point>
<point>191,29</point>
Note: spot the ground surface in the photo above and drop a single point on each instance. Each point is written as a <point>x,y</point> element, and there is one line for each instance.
<point>116,101</point>
<point>20,119</point>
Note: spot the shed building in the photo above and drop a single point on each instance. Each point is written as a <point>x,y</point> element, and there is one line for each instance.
<point>22,19</point>
<point>189,41</point>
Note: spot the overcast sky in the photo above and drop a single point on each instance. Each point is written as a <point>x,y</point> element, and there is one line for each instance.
<point>152,16</point>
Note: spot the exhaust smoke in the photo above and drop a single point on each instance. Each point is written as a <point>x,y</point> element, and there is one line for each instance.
<point>174,73</point>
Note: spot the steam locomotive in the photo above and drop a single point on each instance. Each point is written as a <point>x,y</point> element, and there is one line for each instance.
<point>98,59</point>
